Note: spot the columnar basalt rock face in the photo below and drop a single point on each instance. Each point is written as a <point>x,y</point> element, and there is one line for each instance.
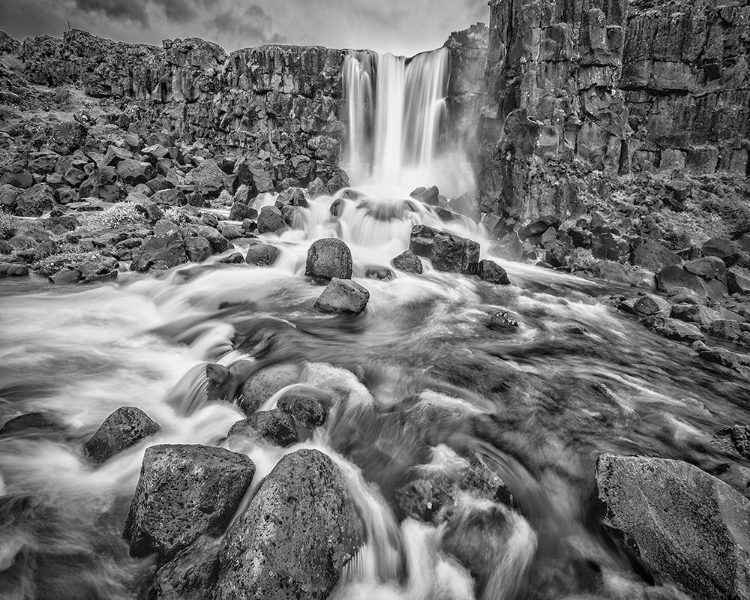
<point>620,87</point>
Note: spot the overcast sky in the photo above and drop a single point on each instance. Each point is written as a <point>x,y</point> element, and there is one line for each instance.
<point>398,26</point>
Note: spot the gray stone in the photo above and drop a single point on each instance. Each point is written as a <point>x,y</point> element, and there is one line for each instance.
<point>305,407</point>
<point>343,296</point>
<point>34,201</point>
<point>159,252</point>
<point>652,305</point>
<point>673,329</point>
<point>197,249</point>
<point>262,255</point>
<point>260,386</point>
<point>328,258</point>
<point>270,220</point>
<point>408,262</point>
<point>121,430</point>
<point>709,267</point>
<point>491,272</point>
<point>275,426</point>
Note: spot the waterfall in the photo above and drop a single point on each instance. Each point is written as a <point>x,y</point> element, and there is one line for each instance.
<point>396,108</point>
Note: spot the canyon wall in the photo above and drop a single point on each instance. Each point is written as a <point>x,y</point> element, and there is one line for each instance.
<point>575,86</point>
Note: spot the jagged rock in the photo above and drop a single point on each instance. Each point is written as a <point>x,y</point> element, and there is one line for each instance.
<point>207,178</point>
<point>296,536</point>
<point>733,440</point>
<point>305,407</point>
<point>421,239</point>
<point>675,277</point>
<point>652,305</point>
<point>197,249</point>
<point>240,212</point>
<point>343,296</point>
<point>293,196</point>
<point>170,197</point>
<point>454,254</point>
<point>13,270</point>
<point>184,491</point>
<point>737,284</point>
<point>654,256</point>
<point>726,328</point>
<point>492,272</point>
<point>262,255</point>
<point>134,172</point>
<point>726,358</point>
<point>270,220</point>
<point>275,426</point>
<point>328,258</point>
<point>408,262</point>
<point>121,430</point>
<point>260,386</point>
<point>68,136</point>
<point>673,329</point>
<point>34,201</point>
<point>8,196</point>
<point>190,575</point>
<point>430,195</point>
<point>722,248</point>
<point>159,252</point>
<point>681,522</point>
<point>710,267</point>
<point>503,321</point>
<point>217,241</point>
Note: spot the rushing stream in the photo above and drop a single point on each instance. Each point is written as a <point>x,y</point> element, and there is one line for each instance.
<point>417,381</point>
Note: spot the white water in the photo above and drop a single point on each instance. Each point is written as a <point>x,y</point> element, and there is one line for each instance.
<point>397,115</point>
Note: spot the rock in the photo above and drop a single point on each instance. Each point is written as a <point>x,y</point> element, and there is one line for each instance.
<point>421,238</point>
<point>30,421</point>
<point>134,172</point>
<point>260,386</point>
<point>503,321</point>
<point>710,267</point>
<point>726,328</point>
<point>229,231</point>
<point>737,284</point>
<point>197,249</point>
<point>184,491</point>
<point>262,255</point>
<point>240,212</point>
<point>675,277</point>
<point>292,197</point>
<point>34,201</point>
<point>429,195</point>
<point>159,252</point>
<point>121,430</point>
<point>492,272</point>
<point>328,258</point>
<point>454,254</point>
<point>253,172</point>
<point>170,197</point>
<point>468,205</point>
<point>296,536</point>
<point>233,259</point>
<point>673,329</point>
<point>726,358</point>
<point>13,270</point>
<point>722,248</point>
<point>509,247</point>
<point>8,196</point>
<point>652,305</point>
<point>343,296</point>
<point>408,262</point>
<point>733,440</point>
<point>68,136</point>
<point>207,178</point>
<point>611,271</point>
<point>217,241</point>
<point>654,256</point>
<point>190,575</point>
<point>305,407</point>
<point>270,220</point>
<point>694,313</point>
<point>680,522</point>
<point>379,273</point>
<point>274,426</point>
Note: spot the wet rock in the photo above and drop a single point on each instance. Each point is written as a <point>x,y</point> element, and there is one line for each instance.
<point>727,358</point>
<point>270,220</point>
<point>296,536</point>
<point>430,195</point>
<point>13,270</point>
<point>274,426</point>
<point>652,255</point>
<point>197,249</point>
<point>229,231</point>
<point>611,271</point>
<point>503,321</point>
<point>680,522</point>
<point>293,196</point>
<point>190,575</point>
<point>219,380</point>
<point>408,262</point>
<point>710,267</point>
<point>379,273</point>
<point>159,252</point>
<point>217,241</point>
<point>421,239</point>
<point>34,201</point>
<point>454,254</point>
<point>509,247</point>
<point>262,255</point>
<point>726,328</point>
<point>733,440</point>
<point>328,258</point>
<point>673,329</point>
<point>305,407</point>
<point>675,277</point>
<point>121,430</point>
<point>737,283</point>
<point>260,386</point>
<point>233,259</point>
<point>492,272</point>
<point>343,296</point>
<point>184,491</point>
<point>240,212</point>
<point>652,305</point>
<point>30,421</point>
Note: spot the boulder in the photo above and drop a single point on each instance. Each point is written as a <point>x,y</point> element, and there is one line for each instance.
<point>260,386</point>
<point>34,201</point>
<point>159,252</point>
<point>674,277</point>
<point>681,523</point>
<point>170,197</point>
<point>420,240</point>
<point>709,267</point>
<point>454,254</point>
<point>190,575</point>
<point>8,196</point>
<point>430,195</point>
<point>726,328</point>
<point>305,407</point>
<point>197,249</point>
<point>262,255</point>
<point>240,212</point>
<point>133,171</point>
<point>270,220</point>
<point>328,258</point>
<point>722,356</point>
<point>274,426</point>
<point>492,272</point>
<point>408,262</point>
<point>725,249</point>
<point>737,283</point>
<point>228,230</point>
<point>217,241</point>
<point>68,136</point>
<point>121,430</point>
<point>208,178</point>
<point>343,296</point>
<point>503,321</point>
<point>652,305</point>
<point>295,537</point>
<point>652,255</point>
<point>30,421</point>
<point>509,247</point>
<point>184,492</point>
<point>673,329</point>
<point>733,440</point>
<point>379,273</point>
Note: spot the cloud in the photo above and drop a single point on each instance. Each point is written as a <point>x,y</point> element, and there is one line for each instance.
<point>251,26</point>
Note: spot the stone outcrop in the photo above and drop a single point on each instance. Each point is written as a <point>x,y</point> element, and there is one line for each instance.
<point>618,86</point>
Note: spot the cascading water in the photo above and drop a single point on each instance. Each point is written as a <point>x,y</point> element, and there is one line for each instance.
<point>397,112</point>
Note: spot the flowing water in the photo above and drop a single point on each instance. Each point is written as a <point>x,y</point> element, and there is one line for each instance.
<point>418,383</point>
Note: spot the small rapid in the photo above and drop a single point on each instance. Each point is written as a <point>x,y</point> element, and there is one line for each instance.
<point>417,384</point>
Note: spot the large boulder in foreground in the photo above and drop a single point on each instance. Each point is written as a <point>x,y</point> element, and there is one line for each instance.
<point>343,296</point>
<point>121,430</point>
<point>295,537</point>
<point>184,492</point>
<point>329,258</point>
<point>681,522</point>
